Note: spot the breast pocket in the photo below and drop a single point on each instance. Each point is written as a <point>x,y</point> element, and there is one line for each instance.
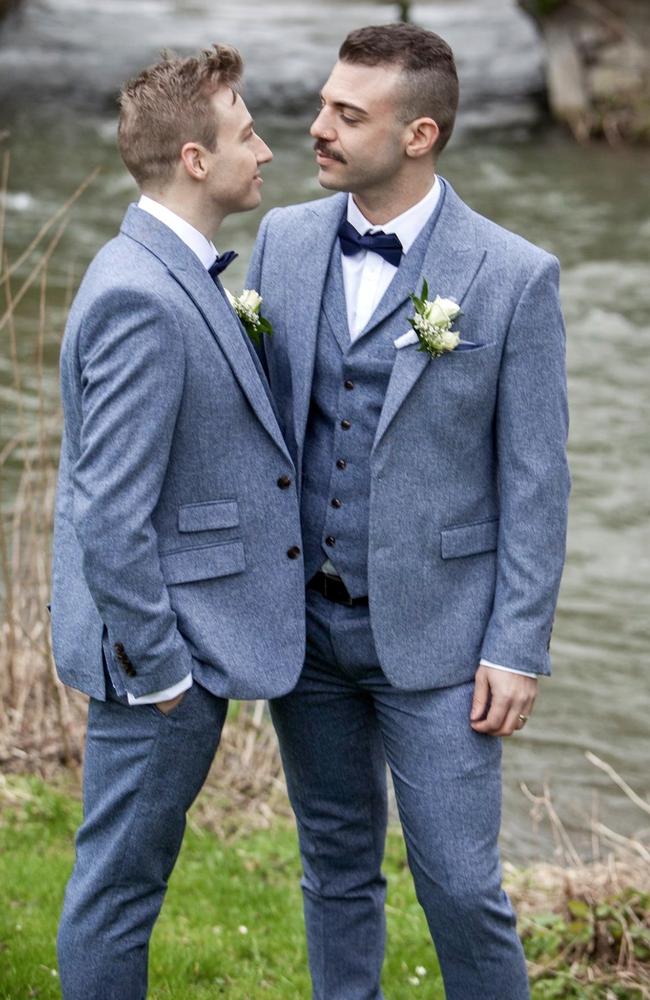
<point>200,559</point>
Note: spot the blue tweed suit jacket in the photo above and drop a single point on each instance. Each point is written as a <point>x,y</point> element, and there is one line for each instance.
<point>469,478</point>
<point>177,529</point>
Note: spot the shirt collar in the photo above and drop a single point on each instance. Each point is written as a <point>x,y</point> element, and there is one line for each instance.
<point>406,226</point>
<point>204,249</point>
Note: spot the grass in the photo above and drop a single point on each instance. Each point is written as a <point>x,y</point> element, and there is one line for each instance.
<point>231,924</point>
<point>232,921</point>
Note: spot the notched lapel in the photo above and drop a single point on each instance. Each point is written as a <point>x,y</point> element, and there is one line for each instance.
<point>189,273</point>
<point>305,295</point>
<point>228,333</point>
<point>334,305</point>
<point>450,266</point>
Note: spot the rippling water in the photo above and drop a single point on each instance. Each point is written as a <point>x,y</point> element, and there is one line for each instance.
<point>590,206</point>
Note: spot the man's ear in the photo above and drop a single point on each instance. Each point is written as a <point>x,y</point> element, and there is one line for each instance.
<point>422,136</point>
<point>193,158</point>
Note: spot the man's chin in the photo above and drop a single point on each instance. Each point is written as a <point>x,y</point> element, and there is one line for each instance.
<point>252,202</point>
<point>330,183</point>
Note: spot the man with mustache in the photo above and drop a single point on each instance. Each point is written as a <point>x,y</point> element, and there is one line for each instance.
<point>176,512</point>
<point>430,442</point>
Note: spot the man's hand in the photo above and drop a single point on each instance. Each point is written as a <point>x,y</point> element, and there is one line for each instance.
<point>500,699</point>
<point>168,706</point>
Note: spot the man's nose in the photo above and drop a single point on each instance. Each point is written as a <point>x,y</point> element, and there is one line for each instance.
<point>263,154</point>
<point>321,127</point>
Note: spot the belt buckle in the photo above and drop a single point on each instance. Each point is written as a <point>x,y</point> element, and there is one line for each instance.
<point>327,590</point>
<point>333,589</point>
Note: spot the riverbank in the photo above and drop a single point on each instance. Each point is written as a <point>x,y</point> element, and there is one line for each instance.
<point>598,66</point>
<point>232,921</point>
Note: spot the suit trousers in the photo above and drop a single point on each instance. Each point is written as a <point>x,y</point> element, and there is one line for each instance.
<point>337,730</point>
<point>142,771</point>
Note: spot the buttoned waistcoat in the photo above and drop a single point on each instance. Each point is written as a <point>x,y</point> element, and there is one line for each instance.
<point>348,390</point>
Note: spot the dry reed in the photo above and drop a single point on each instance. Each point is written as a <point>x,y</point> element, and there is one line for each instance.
<point>588,920</point>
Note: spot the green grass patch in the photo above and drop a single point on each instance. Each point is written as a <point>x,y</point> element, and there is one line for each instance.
<point>232,920</point>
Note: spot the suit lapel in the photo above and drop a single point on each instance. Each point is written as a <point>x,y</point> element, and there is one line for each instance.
<point>314,250</point>
<point>451,262</point>
<point>229,334</point>
<point>334,305</point>
<point>190,274</point>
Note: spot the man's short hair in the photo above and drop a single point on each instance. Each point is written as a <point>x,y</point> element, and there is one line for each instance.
<point>167,105</point>
<point>430,80</point>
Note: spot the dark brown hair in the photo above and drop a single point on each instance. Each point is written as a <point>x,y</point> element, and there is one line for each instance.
<point>430,80</point>
<point>167,105</point>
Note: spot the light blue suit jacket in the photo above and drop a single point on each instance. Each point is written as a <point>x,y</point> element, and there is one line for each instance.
<point>469,478</point>
<point>176,502</point>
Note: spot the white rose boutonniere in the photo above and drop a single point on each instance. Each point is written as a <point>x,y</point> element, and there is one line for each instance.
<point>432,324</point>
<point>247,307</point>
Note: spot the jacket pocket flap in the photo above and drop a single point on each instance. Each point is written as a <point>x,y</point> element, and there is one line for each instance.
<point>469,539</point>
<point>208,515</point>
<point>203,563</point>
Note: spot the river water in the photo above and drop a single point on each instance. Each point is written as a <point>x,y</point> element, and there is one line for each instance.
<point>61,62</point>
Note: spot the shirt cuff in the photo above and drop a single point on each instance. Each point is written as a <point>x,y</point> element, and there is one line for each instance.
<point>166,695</point>
<point>508,670</point>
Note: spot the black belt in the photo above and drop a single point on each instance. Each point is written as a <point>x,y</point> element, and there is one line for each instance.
<point>333,588</point>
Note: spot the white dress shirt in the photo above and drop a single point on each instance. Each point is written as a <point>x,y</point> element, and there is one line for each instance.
<point>366,276</point>
<point>206,251</point>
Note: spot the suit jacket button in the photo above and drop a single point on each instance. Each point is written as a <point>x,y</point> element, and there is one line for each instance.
<point>284,482</point>
<point>293,552</point>
<point>346,425</point>
<point>330,540</point>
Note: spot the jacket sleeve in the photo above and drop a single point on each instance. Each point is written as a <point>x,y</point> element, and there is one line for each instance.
<point>131,367</point>
<point>533,477</point>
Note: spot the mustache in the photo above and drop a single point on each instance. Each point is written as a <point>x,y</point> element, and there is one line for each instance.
<point>322,147</point>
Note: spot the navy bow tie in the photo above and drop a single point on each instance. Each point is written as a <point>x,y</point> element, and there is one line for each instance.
<point>221,263</point>
<point>387,245</point>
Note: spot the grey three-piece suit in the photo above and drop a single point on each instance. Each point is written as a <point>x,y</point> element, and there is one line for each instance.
<point>438,488</point>
<point>177,549</point>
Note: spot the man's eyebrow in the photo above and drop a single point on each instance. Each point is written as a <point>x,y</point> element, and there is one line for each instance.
<point>347,104</point>
<point>249,124</point>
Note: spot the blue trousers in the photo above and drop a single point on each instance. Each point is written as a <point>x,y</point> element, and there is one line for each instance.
<point>337,730</point>
<point>142,771</point>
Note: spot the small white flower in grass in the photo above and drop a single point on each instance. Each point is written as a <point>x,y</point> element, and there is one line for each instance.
<point>420,971</point>
<point>54,973</point>
<point>414,981</point>
<point>242,929</point>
